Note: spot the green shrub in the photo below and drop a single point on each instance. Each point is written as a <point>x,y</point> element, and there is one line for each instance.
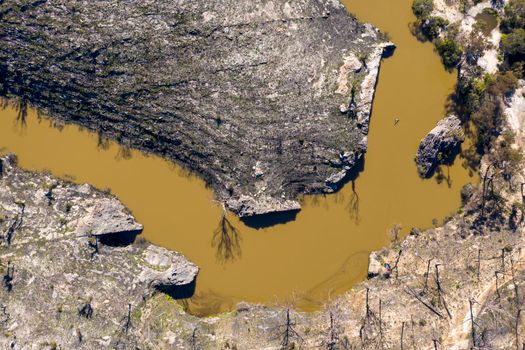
<point>433,26</point>
<point>450,52</point>
<point>422,8</point>
<point>489,117</point>
<point>514,16</point>
<point>513,44</point>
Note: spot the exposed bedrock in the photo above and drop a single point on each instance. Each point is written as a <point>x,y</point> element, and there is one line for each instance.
<point>58,275</point>
<point>439,146</point>
<point>264,99</point>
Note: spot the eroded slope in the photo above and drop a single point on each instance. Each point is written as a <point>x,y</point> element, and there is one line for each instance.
<point>265,99</point>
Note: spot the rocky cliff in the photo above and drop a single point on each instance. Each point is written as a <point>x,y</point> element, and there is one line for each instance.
<point>440,145</point>
<point>265,99</point>
<point>73,271</point>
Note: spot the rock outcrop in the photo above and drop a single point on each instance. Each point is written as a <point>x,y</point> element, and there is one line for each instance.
<point>439,145</point>
<point>61,284</point>
<point>108,217</point>
<point>261,98</point>
<point>167,269</point>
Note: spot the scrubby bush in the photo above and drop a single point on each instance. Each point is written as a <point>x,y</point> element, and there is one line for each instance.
<point>472,92</point>
<point>433,26</point>
<point>513,45</point>
<point>514,16</point>
<point>450,52</point>
<point>474,45</point>
<point>489,117</point>
<point>422,8</point>
<point>506,157</point>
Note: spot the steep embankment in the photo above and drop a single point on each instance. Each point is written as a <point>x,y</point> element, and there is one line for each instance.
<point>266,100</point>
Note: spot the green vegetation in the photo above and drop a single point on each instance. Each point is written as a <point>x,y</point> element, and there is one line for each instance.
<point>513,41</point>
<point>514,16</point>
<point>430,28</point>
<point>450,52</point>
<point>433,26</point>
<point>506,157</point>
<point>479,99</point>
<point>422,8</point>
<point>513,44</point>
<point>487,106</point>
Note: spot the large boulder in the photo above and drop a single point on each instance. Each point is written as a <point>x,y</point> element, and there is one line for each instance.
<point>107,217</point>
<point>167,269</point>
<point>439,146</point>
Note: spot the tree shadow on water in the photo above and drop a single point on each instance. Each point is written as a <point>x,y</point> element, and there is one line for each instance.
<point>442,176</point>
<point>21,106</point>
<point>227,241</point>
<point>353,205</point>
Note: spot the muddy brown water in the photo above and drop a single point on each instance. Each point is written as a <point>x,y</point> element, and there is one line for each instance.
<point>324,251</point>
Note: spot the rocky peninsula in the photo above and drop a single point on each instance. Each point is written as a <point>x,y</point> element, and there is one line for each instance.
<point>266,100</point>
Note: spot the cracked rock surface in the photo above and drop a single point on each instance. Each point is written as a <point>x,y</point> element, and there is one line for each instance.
<point>439,145</point>
<point>264,99</point>
<point>61,285</point>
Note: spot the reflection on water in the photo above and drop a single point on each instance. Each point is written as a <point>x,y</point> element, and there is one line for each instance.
<point>226,240</point>
<point>321,253</point>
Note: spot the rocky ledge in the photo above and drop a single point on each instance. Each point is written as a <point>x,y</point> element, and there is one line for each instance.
<point>439,146</point>
<point>71,272</point>
<point>265,99</point>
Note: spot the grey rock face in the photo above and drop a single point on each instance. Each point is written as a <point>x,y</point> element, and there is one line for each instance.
<point>375,266</point>
<point>438,145</point>
<point>167,268</point>
<point>108,216</point>
<point>259,97</point>
<point>246,206</point>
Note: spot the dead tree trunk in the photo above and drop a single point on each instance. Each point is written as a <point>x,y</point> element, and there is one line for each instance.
<point>425,287</point>
<point>472,328</point>
<point>413,333</point>
<point>194,339</point>
<point>484,191</point>
<point>9,276</point>
<point>332,342</point>
<point>516,334</point>
<point>380,321</point>
<point>496,273</point>
<point>128,319</point>
<point>479,263</point>
<point>289,332</point>
<point>367,302</point>
<point>402,334</point>
<point>503,260</point>
<point>409,291</point>
<point>516,292</point>
<point>440,291</point>
<point>396,265</point>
